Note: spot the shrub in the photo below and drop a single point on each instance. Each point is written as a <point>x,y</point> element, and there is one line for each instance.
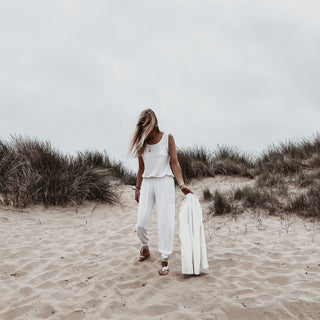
<point>288,158</point>
<point>198,162</point>
<point>268,179</point>
<point>298,203</point>
<point>120,172</point>
<point>307,178</point>
<point>308,203</point>
<point>195,163</point>
<point>207,195</point>
<point>93,159</point>
<point>256,198</point>
<point>230,161</point>
<point>313,200</point>
<point>100,160</point>
<point>33,172</point>
<point>221,203</point>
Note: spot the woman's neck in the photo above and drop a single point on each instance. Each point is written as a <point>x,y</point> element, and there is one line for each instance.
<point>154,137</point>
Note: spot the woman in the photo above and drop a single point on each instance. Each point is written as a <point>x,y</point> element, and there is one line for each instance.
<point>158,164</point>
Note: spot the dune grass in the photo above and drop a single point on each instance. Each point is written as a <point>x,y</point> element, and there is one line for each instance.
<point>307,203</point>
<point>286,176</point>
<point>252,197</point>
<point>287,179</point>
<point>229,161</point>
<point>207,195</point>
<point>199,162</point>
<point>291,171</point>
<point>195,162</point>
<point>100,160</point>
<point>221,203</point>
<point>32,172</point>
<point>289,158</point>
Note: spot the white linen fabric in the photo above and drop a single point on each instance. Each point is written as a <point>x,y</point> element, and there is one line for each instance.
<point>192,238</point>
<point>159,192</point>
<point>156,159</point>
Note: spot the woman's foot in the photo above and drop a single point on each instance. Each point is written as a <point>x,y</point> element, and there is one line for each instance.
<point>144,254</point>
<point>164,268</point>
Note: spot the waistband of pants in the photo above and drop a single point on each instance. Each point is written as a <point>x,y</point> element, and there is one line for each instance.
<point>158,178</point>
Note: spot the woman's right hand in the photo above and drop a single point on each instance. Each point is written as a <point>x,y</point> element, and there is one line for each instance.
<point>137,195</point>
<point>185,190</point>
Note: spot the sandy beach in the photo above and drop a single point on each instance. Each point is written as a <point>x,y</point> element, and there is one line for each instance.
<point>81,263</point>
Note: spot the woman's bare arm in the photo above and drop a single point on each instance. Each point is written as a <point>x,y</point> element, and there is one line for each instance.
<point>175,165</point>
<point>139,178</point>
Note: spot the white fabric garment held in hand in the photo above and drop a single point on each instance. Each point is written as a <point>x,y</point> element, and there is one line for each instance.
<point>191,233</point>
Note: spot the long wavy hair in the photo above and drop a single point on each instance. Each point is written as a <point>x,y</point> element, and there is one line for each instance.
<point>146,123</point>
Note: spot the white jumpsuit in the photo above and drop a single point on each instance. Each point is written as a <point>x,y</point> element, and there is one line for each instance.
<point>157,188</point>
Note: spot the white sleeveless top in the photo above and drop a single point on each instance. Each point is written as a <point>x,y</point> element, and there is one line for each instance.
<point>156,159</point>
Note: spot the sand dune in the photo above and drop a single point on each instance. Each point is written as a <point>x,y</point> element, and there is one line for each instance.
<point>63,263</point>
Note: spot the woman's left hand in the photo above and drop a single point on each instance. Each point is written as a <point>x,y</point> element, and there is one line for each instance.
<point>186,190</point>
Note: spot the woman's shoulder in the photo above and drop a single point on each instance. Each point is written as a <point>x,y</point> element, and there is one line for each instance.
<point>170,139</point>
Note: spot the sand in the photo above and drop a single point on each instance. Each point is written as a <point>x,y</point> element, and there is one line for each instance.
<point>81,263</point>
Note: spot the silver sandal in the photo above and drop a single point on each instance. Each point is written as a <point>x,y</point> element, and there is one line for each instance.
<point>141,257</point>
<point>164,270</point>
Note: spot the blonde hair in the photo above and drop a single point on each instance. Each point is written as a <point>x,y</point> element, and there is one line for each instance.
<point>146,123</point>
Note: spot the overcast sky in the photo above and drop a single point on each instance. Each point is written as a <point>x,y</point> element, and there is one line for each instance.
<point>231,72</point>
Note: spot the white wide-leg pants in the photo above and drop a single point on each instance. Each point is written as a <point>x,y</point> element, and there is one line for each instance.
<point>159,191</point>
